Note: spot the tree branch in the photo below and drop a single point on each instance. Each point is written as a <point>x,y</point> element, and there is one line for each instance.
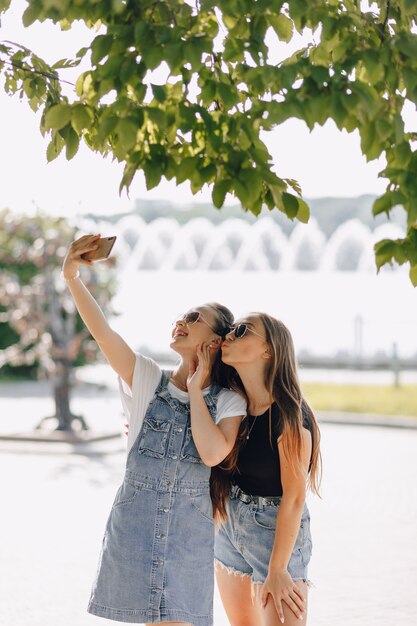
<point>31,70</point>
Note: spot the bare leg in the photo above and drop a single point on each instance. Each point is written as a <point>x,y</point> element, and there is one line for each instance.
<point>269,615</point>
<point>235,592</point>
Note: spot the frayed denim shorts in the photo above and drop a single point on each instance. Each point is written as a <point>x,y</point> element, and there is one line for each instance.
<point>244,542</point>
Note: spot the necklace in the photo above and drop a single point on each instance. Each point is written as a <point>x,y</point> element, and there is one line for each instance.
<point>251,428</point>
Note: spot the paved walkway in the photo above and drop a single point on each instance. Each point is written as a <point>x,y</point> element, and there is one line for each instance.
<point>55,505</point>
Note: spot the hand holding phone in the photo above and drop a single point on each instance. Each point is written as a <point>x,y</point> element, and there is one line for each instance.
<point>105,245</point>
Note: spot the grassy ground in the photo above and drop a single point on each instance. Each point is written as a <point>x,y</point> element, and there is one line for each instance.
<point>377,399</point>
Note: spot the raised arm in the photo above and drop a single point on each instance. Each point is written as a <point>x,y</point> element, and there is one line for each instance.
<point>213,441</point>
<point>119,355</point>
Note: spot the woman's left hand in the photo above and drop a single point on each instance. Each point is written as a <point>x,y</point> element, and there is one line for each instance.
<point>282,588</point>
<point>200,368</point>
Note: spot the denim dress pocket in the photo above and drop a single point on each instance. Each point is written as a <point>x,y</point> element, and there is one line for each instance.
<point>154,437</point>
<point>126,494</point>
<point>189,451</point>
<point>202,502</point>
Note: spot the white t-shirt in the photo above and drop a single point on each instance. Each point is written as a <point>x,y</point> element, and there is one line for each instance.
<point>146,377</point>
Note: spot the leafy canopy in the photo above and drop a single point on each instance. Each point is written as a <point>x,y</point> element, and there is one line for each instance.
<point>203,121</point>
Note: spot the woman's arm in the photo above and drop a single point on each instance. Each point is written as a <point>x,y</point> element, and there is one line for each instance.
<point>279,583</point>
<point>292,503</point>
<point>117,352</point>
<point>213,441</point>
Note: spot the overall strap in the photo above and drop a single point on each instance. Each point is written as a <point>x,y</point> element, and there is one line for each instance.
<point>212,396</point>
<point>163,383</point>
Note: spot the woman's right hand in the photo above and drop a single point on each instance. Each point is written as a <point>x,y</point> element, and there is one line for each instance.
<point>73,259</point>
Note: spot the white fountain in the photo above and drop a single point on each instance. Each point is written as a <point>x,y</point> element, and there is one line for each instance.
<point>318,287</point>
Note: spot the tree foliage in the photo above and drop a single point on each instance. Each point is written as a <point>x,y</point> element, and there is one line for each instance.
<point>40,328</point>
<point>202,122</point>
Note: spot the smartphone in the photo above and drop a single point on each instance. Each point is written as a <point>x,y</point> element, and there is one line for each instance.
<point>105,245</point>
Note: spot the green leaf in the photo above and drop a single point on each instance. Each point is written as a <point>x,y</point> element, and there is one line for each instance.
<point>303,211</point>
<point>159,92</point>
<point>290,204</point>
<point>413,275</point>
<point>54,147</point>
<point>31,14</point>
<point>152,56</point>
<point>207,173</point>
<point>57,116</point>
<point>100,48</point>
<point>251,179</point>
<point>229,21</point>
<point>127,131</point>
<point>383,129</point>
<point>282,25</point>
<point>402,155</point>
<point>153,174</point>
<point>277,197</point>
<point>228,94</point>
<point>385,203</point>
<point>407,44</point>
<point>157,116</point>
<point>72,142</point>
<point>185,169</point>
<point>128,175</point>
<point>367,138</point>
<point>241,192</point>
<point>382,204</point>
<point>233,50</point>
<point>208,92</point>
<point>141,32</point>
<point>107,126</point>
<point>384,251</point>
<point>244,141</point>
<point>338,111</point>
<point>374,68</point>
<point>220,190</point>
<point>192,54</point>
<point>80,118</point>
<point>174,56</point>
<point>410,79</point>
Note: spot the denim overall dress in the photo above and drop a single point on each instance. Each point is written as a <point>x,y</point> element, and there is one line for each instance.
<point>156,561</point>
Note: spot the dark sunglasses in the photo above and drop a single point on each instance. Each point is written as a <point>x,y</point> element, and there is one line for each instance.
<point>240,330</point>
<point>192,317</point>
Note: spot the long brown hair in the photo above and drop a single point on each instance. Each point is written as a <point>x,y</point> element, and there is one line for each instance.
<point>281,380</point>
<point>223,321</point>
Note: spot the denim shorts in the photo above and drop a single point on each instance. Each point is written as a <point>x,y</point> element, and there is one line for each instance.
<point>244,542</point>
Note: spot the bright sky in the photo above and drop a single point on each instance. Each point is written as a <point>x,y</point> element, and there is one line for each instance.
<point>326,162</point>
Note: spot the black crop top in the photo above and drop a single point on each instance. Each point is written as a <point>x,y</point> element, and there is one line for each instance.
<point>258,469</point>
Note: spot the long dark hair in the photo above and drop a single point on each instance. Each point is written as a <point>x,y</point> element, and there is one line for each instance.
<point>223,321</point>
<point>281,380</point>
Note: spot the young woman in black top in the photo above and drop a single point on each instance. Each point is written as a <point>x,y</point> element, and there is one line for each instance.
<point>263,545</point>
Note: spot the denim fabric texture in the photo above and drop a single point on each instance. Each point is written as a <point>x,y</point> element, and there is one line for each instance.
<point>156,562</point>
<point>244,543</point>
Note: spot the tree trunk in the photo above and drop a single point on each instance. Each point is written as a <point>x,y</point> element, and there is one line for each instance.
<point>63,415</point>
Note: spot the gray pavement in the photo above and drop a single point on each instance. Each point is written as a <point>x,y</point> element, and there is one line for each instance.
<point>55,502</point>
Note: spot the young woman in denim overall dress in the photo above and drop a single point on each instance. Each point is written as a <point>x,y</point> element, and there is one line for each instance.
<point>156,563</point>
<point>263,547</point>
